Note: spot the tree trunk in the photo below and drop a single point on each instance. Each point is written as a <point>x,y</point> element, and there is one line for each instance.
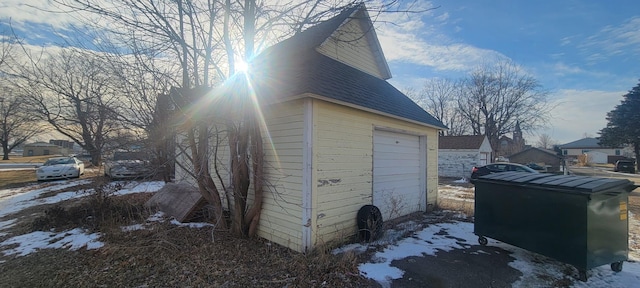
<point>253,216</point>
<point>200,160</point>
<point>238,143</point>
<point>636,152</point>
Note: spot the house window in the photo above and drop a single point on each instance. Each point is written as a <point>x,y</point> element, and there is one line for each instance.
<point>617,152</point>
<point>585,151</point>
<point>564,152</point>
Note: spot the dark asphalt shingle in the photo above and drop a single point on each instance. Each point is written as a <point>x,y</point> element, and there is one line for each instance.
<point>293,67</point>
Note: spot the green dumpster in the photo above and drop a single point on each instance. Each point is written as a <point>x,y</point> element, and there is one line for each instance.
<point>578,220</point>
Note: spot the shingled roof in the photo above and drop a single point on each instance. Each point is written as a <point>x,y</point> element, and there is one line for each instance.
<point>460,142</point>
<point>294,69</point>
<point>584,143</point>
<point>553,153</point>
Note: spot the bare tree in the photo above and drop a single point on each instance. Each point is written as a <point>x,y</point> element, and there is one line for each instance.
<point>208,39</point>
<point>497,96</point>
<point>439,97</point>
<point>73,92</point>
<point>545,141</point>
<point>16,125</point>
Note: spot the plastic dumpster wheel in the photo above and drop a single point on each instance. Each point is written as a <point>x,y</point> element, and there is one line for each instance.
<point>483,241</point>
<point>616,266</point>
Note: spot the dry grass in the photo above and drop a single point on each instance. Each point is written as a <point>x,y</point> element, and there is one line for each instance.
<point>466,207</point>
<point>30,159</point>
<point>16,178</point>
<point>163,255</point>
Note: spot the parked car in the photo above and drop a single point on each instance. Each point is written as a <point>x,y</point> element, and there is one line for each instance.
<point>127,165</point>
<point>499,167</point>
<point>536,167</point>
<point>628,166</point>
<point>60,168</point>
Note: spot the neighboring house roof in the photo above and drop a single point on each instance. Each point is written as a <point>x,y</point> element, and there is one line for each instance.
<point>583,143</point>
<point>460,142</point>
<point>294,69</point>
<point>536,149</point>
<point>40,144</point>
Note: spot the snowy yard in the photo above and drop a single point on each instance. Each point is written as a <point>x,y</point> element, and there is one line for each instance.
<point>537,271</point>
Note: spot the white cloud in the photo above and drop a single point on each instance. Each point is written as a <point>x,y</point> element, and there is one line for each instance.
<point>412,38</point>
<point>614,40</point>
<point>443,17</point>
<point>562,69</point>
<point>39,12</point>
<point>408,47</point>
<point>578,112</point>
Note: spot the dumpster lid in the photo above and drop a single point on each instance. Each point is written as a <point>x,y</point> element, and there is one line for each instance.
<point>567,183</point>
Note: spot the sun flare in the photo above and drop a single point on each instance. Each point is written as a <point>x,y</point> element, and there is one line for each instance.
<point>242,66</point>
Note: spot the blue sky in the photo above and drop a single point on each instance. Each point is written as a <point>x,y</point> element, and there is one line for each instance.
<point>584,52</point>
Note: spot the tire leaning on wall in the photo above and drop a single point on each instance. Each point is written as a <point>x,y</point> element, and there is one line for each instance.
<point>369,223</point>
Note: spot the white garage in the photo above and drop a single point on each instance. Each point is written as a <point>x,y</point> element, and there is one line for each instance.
<point>399,173</point>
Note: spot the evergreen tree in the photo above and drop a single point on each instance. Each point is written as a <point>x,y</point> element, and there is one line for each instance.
<point>623,125</point>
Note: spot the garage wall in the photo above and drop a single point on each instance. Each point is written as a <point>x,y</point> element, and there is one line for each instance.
<point>457,163</point>
<point>343,154</point>
<point>281,218</point>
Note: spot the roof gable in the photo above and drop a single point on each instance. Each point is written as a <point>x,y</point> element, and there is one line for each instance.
<point>356,44</point>
<point>294,69</point>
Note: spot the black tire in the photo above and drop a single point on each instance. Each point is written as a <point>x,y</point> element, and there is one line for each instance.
<point>369,223</point>
<point>616,266</point>
<point>483,240</point>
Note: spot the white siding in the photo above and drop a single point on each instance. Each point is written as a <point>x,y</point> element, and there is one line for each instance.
<point>218,160</point>
<point>608,151</point>
<point>281,216</point>
<point>458,162</point>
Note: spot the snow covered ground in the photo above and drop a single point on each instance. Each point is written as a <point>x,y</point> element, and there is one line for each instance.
<point>379,268</point>
<point>14,200</point>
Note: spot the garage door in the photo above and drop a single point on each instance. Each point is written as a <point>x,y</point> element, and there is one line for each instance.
<point>397,177</point>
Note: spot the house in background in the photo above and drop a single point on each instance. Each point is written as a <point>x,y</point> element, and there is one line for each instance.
<point>457,155</point>
<point>63,143</point>
<point>542,157</point>
<point>594,151</point>
<point>337,135</point>
<point>43,148</point>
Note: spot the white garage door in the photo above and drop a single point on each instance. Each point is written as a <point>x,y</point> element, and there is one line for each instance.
<point>397,179</point>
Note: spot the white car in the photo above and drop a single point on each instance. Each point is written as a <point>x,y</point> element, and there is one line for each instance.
<point>60,168</point>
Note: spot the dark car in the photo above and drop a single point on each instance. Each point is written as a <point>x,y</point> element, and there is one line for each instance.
<point>499,167</point>
<point>536,167</point>
<point>127,164</point>
<point>625,166</point>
